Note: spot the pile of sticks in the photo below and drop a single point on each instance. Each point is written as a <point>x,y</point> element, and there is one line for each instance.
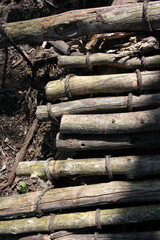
<point>97,112</point>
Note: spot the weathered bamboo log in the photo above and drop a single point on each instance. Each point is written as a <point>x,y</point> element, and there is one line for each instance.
<point>112,236</point>
<point>108,59</point>
<point>81,196</point>
<point>63,235</point>
<point>81,220</point>
<point>113,83</point>
<point>115,123</point>
<point>77,23</point>
<point>130,166</point>
<point>99,105</point>
<point>107,142</point>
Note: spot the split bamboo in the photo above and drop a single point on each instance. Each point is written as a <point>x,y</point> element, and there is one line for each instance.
<point>77,23</point>
<point>63,235</point>
<point>108,142</point>
<point>81,196</point>
<point>99,105</point>
<point>113,83</point>
<point>114,60</point>
<point>115,123</point>
<point>129,166</point>
<point>81,220</point>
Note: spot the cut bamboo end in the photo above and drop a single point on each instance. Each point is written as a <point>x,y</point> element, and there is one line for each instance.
<point>113,83</point>
<point>114,60</point>
<point>129,166</point>
<point>98,105</point>
<point>115,123</point>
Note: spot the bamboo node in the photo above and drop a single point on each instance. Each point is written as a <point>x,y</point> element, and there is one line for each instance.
<point>139,80</point>
<point>145,14</point>
<point>108,167</point>
<point>97,218</point>
<point>50,225</point>
<point>67,85</point>
<point>130,102</point>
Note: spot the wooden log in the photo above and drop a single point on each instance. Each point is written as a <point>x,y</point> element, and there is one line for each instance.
<point>113,83</point>
<point>108,142</point>
<point>155,235</point>
<point>77,23</point>
<point>99,105</point>
<point>81,220</point>
<point>114,60</point>
<point>63,235</point>
<point>81,196</point>
<point>115,123</point>
<point>148,165</point>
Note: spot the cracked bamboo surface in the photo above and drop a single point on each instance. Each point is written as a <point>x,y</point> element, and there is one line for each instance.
<point>81,196</point>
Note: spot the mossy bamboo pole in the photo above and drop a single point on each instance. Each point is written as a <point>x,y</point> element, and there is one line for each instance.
<point>115,123</point>
<point>83,142</point>
<point>81,220</point>
<point>98,105</point>
<point>112,83</point>
<point>63,235</point>
<point>108,59</point>
<point>81,196</point>
<point>130,166</point>
<point>77,23</point>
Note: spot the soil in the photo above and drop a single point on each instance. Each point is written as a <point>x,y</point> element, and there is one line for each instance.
<point>23,89</point>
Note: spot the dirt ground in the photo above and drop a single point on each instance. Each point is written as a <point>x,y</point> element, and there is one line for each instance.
<point>21,92</point>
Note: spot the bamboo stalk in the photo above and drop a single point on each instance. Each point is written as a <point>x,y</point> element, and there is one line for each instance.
<point>98,105</point>
<point>113,236</point>
<point>108,142</point>
<point>81,196</point>
<point>130,166</point>
<point>113,83</point>
<point>81,220</point>
<point>77,23</point>
<point>63,235</point>
<point>114,60</point>
<point>115,123</point>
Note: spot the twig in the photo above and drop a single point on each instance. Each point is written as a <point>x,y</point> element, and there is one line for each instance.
<point>21,154</point>
<point>4,34</point>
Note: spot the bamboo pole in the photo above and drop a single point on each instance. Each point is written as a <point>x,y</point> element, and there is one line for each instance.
<point>108,142</point>
<point>113,83</point>
<point>63,235</point>
<point>81,220</point>
<point>98,105</point>
<point>114,60</point>
<point>130,166</point>
<point>81,196</point>
<point>115,123</point>
<point>77,23</point>
<point>155,235</point>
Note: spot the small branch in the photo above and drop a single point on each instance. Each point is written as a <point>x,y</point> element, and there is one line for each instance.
<point>8,38</point>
